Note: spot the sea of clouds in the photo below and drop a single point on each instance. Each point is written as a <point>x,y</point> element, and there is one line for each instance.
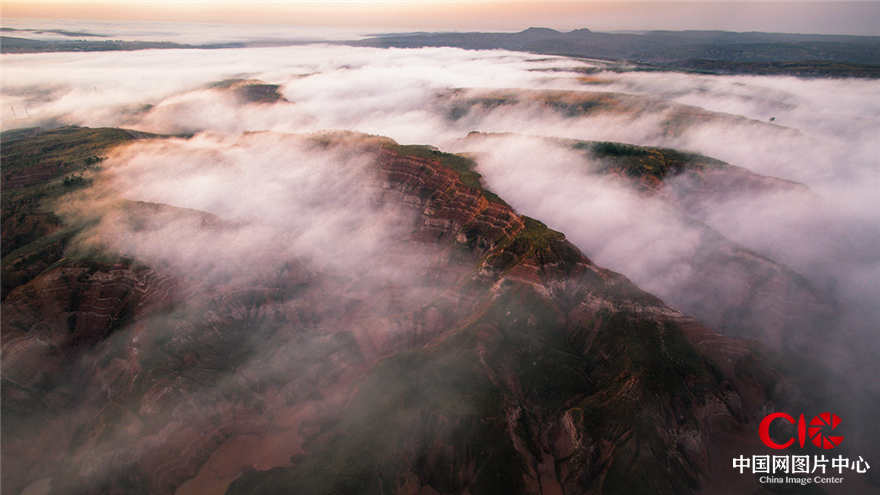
<point>822,135</point>
<point>279,198</point>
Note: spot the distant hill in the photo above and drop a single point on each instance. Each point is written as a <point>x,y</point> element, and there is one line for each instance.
<point>11,44</point>
<point>810,55</point>
<point>712,52</point>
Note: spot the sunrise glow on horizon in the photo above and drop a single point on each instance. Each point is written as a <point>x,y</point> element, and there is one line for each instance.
<point>816,17</point>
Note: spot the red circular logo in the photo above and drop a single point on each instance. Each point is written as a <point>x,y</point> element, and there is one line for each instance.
<point>820,430</point>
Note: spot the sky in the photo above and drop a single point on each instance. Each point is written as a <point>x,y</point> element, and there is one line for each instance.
<point>836,17</point>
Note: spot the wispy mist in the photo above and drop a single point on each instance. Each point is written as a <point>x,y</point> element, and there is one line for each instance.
<point>817,132</point>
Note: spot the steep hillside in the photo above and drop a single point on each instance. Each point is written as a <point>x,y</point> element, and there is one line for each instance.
<point>38,167</point>
<point>734,290</point>
<point>509,364</point>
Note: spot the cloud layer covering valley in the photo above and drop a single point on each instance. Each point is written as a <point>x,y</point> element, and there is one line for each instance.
<point>816,132</point>
<point>263,192</point>
<point>820,135</point>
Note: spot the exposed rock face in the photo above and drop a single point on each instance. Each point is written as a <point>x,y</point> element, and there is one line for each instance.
<point>448,206</point>
<point>517,367</point>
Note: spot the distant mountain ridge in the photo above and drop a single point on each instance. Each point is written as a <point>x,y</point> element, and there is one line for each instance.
<point>710,51</point>
<point>713,52</point>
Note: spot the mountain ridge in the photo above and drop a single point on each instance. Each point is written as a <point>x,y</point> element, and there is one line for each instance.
<point>517,296</point>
